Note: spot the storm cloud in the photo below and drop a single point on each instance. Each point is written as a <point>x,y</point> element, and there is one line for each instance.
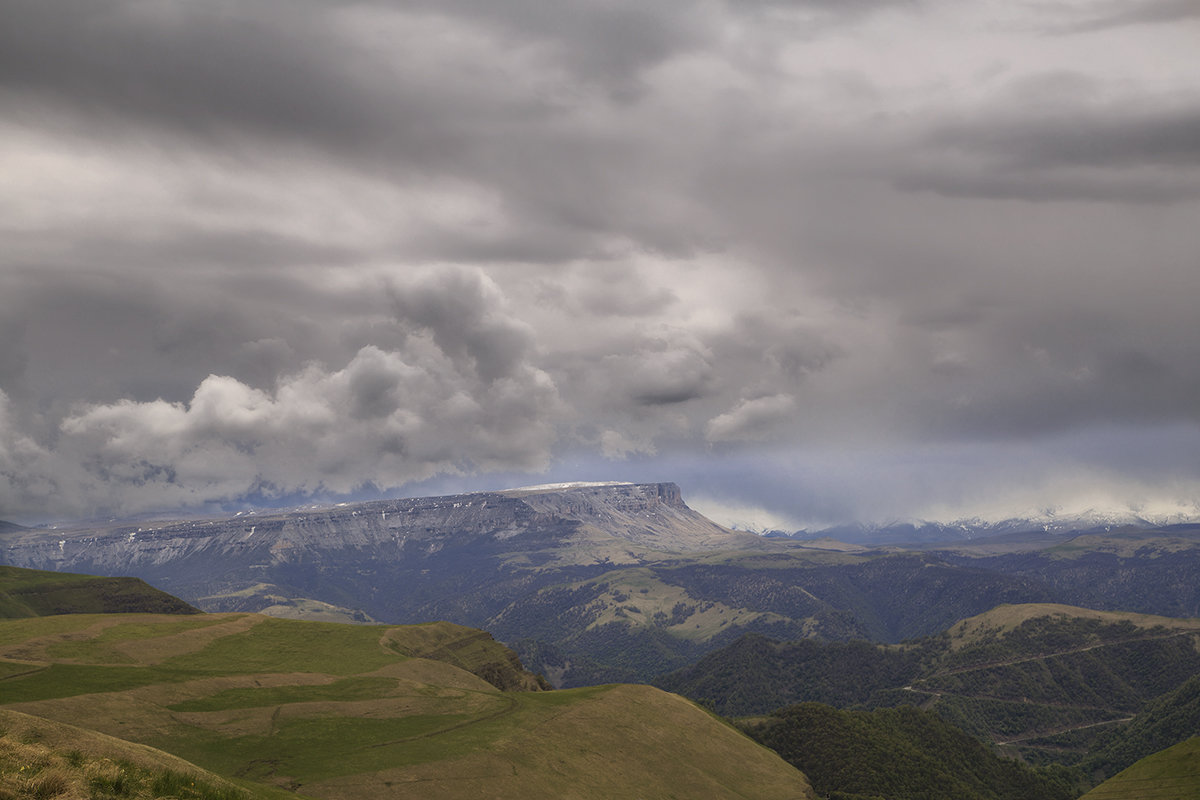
<point>815,261</point>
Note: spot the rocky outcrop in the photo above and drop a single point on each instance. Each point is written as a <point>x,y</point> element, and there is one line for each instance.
<point>652,515</point>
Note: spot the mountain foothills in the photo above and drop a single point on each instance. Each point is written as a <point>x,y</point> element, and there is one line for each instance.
<point>509,562</point>
<point>1076,653</point>
<point>609,582</point>
<point>1047,684</point>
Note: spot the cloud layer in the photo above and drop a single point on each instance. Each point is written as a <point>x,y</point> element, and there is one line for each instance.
<point>825,260</point>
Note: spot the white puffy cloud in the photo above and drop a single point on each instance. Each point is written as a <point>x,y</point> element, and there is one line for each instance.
<point>380,420</point>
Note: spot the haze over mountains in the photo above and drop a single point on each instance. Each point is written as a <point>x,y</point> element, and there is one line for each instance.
<point>594,583</point>
<point>918,531</point>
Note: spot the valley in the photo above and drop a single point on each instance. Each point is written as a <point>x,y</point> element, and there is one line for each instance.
<point>1076,654</point>
<point>611,582</point>
<point>1047,684</point>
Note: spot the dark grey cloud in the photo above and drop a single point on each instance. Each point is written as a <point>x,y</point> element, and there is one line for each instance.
<point>1035,188</point>
<point>1110,15</point>
<point>605,44</point>
<point>1056,137</point>
<point>1078,135</point>
<point>461,310</point>
<point>198,68</point>
<point>820,254</point>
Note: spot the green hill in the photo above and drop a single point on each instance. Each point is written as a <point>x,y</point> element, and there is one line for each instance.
<point>755,675</point>
<point>1172,774</point>
<point>347,711</point>
<point>1047,681</point>
<point>1166,721</point>
<point>36,593</point>
<point>900,754</point>
<point>1040,681</point>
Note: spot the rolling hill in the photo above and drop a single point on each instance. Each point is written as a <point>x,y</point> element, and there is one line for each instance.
<point>346,711</point>
<point>44,759</point>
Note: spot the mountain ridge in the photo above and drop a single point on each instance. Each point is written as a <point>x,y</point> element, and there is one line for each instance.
<point>648,516</point>
<point>921,531</point>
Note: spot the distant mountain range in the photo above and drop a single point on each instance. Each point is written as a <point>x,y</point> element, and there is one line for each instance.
<point>10,527</point>
<point>916,532</point>
<point>605,583</point>
<point>595,583</point>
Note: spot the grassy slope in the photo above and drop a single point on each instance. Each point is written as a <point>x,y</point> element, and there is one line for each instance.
<point>33,593</point>
<point>1006,618</point>
<point>40,758</point>
<point>344,711</point>
<point>1172,774</point>
<point>1168,720</point>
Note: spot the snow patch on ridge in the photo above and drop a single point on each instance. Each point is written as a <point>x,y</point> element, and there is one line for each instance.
<point>553,487</point>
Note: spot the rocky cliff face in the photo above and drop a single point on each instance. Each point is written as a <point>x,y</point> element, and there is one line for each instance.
<point>652,516</point>
<point>426,544</point>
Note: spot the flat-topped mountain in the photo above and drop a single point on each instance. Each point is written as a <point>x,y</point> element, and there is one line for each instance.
<point>572,524</point>
<point>652,515</point>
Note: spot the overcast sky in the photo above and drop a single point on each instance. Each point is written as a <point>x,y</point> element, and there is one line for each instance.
<point>814,260</point>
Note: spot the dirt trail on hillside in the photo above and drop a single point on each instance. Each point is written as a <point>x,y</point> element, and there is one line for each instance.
<point>1043,657</point>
